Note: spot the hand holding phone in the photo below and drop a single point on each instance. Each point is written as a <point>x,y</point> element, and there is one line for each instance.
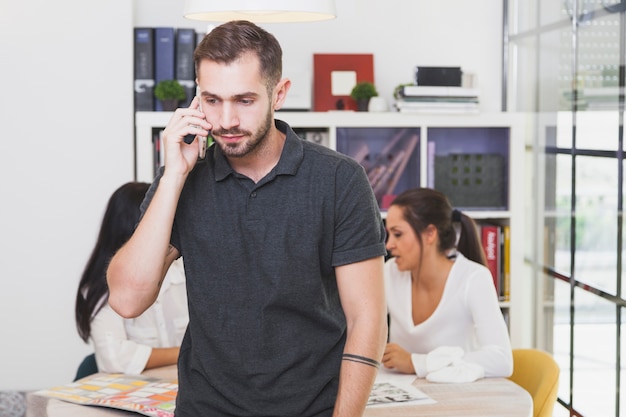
<point>202,141</point>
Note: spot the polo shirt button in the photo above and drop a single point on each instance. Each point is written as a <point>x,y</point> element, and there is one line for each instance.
<point>253,195</point>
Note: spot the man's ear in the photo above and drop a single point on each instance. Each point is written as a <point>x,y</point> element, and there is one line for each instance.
<point>280,93</point>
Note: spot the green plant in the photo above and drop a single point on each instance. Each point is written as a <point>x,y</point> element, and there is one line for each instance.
<point>363,90</point>
<point>398,89</point>
<point>169,90</point>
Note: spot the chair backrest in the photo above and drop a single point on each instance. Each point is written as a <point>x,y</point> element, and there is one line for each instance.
<point>538,373</point>
<point>87,367</point>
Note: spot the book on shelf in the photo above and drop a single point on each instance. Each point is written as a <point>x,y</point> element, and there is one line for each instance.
<point>143,44</point>
<point>164,57</point>
<point>437,99</point>
<point>439,91</point>
<point>506,263</point>
<point>137,393</point>
<point>433,110</point>
<point>442,99</point>
<point>185,67</point>
<point>157,147</point>
<point>490,237</point>
<point>437,106</point>
<point>447,76</point>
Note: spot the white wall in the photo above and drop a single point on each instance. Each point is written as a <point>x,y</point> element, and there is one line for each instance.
<point>66,133</point>
<point>400,33</point>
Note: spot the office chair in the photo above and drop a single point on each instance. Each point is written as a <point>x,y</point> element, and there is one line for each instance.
<point>538,373</point>
<point>87,367</point>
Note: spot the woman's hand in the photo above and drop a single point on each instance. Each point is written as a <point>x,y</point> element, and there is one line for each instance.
<point>398,358</point>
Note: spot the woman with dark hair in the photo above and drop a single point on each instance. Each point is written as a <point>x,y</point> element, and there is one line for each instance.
<point>445,321</point>
<point>129,345</point>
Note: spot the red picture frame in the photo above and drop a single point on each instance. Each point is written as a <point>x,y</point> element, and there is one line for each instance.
<point>324,65</point>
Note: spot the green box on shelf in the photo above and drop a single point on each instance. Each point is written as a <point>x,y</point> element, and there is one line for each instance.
<point>472,181</point>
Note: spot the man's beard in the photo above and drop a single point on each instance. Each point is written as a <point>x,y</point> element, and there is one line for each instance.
<point>239,150</point>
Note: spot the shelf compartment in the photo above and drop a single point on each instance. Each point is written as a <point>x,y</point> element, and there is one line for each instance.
<point>390,157</point>
<point>470,166</point>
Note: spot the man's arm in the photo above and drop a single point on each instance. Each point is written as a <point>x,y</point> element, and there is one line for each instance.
<point>362,294</point>
<point>137,270</point>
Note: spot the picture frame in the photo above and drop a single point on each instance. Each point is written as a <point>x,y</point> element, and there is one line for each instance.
<point>334,75</point>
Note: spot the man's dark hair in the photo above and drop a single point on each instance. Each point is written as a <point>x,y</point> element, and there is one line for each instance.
<point>229,41</point>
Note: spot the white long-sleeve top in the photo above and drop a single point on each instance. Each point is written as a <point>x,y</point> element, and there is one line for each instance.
<point>468,316</point>
<point>124,345</point>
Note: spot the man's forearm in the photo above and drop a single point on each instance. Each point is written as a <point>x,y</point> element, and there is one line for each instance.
<point>362,293</point>
<point>355,385</point>
<point>136,271</point>
<point>359,367</point>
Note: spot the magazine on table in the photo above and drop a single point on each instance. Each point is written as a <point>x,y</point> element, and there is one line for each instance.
<point>395,389</point>
<point>145,395</point>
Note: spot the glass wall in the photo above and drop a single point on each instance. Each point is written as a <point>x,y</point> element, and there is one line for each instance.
<point>565,66</point>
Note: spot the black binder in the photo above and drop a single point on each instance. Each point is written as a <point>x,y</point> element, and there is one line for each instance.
<point>163,57</point>
<point>144,69</point>
<point>185,68</point>
<point>438,76</point>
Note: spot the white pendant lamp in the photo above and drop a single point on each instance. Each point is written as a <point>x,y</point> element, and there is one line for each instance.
<point>260,11</point>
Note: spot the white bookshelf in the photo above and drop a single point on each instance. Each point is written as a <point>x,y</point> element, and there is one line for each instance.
<point>512,125</point>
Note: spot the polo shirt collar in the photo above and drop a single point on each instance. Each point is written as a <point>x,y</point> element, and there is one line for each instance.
<point>289,161</point>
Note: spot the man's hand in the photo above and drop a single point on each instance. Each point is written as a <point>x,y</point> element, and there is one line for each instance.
<point>181,157</point>
<point>398,358</point>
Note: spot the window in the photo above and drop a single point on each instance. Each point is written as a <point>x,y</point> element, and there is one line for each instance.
<point>562,64</point>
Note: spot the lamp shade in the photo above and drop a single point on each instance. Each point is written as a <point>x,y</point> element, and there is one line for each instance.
<point>260,11</point>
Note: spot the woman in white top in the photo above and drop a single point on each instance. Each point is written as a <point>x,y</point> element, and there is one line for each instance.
<point>129,345</point>
<point>445,321</point>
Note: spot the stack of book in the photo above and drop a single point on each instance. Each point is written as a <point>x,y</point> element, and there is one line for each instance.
<point>437,99</point>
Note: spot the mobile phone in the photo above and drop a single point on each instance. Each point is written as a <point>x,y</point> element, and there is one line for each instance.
<point>202,147</point>
<point>202,141</point>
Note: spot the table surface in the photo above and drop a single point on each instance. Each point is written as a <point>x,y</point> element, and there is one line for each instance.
<point>484,398</point>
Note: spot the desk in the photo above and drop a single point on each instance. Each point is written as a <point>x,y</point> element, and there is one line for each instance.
<point>487,397</point>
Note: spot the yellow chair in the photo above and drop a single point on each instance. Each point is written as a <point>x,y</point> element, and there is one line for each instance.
<point>538,373</point>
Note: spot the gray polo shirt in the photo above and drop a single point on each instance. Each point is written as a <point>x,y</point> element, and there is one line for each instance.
<point>266,328</point>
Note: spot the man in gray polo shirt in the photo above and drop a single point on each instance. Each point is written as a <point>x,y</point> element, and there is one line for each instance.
<point>283,247</point>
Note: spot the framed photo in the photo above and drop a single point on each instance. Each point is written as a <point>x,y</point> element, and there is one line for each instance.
<point>334,75</point>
